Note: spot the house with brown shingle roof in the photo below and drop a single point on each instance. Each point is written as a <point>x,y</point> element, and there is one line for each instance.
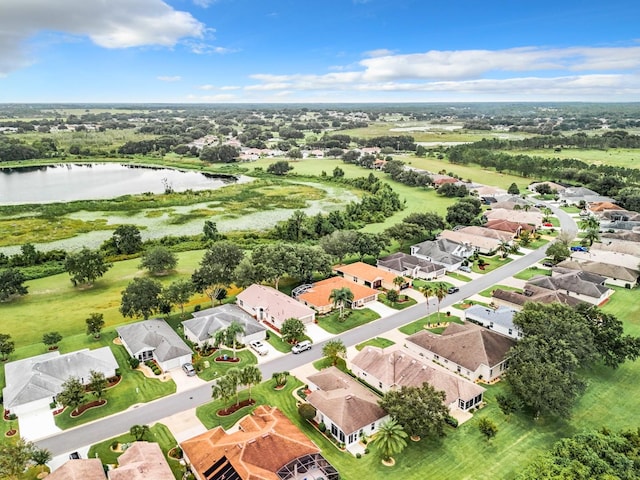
<point>369,276</point>
<point>79,469</point>
<point>266,446</point>
<point>512,299</point>
<point>530,217</point>
<point>514,228</point>
<point>317,295</point>
<point>596,207</point>
<point>469,350</point>
<point>270,305</point>
<point>348,409</point>
<point>479,243</point>
<point>585,286</point>
<point>615,274</point>
<point>142,461</point>
<point>400,263</point>
<point>393,368</point>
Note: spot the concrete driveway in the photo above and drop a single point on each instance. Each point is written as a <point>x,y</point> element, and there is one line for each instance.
<point>184,382</point>
<point>37,424</point>
<point>381,309</point>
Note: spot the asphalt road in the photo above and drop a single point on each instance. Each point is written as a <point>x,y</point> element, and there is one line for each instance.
<point>73,439</point>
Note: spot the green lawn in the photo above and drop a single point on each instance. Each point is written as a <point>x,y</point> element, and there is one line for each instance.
<point>133,388</point>
<point>218,369</point>
<point>531,272</point>
<point>327,362</point>
<point>487,292</point>
<point>158,433</point>
<point>621,157</point>
<point>376,342</point>
<point>419,283</point>
<point>458,276</point>
<point>352,319</point>
<point>399,305</point>
<point>571,209</point>
<point>491,263</point>
<point>422,323</point>
<point>276,342</point>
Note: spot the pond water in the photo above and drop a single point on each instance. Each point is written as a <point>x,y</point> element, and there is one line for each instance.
<point>68,182</point>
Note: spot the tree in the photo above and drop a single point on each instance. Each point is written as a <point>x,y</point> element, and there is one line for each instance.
<point>390,439</point>
<point>404,232</point>
<point>508,404</point>
<point>513,189</point>
<point>14,458</point>
<point>427,290</point>
<point>273,261</point>
<point>392,296</point>
<point>97,383</point>
<point>11,284</point>
<point>487,427</point>
<point>40,456</point>
<point>86,266</point>
<point>95,322</point>
<point>139,431</point>
<point>591,454</point>
<point>340,243</point>
<point>281,167</point>
<point>307,411</point>
<point>231,334</point>
<point>126,239</point>
<point>440,292</point>
<point>249,376</point>
<point>158,260</point>
<point>558,252</point>
<point>525,238</point>
<point>399,281</point>
<point>420,410</point>
<point>334,350</point>
<point>51,340</point>
<point>505,248</point>
<point>7,346</point>
<point>292,330</point>
<point>141,298</point>
<point>340,296</point>
<point>544,189</point>
<point>72,394</point>
<point>217,269</point>
<point>210,231</point>
<point>178,293</point>
<point>280,378</point>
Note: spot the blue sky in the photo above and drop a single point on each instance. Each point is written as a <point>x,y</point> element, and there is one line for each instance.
<point>228,51</point>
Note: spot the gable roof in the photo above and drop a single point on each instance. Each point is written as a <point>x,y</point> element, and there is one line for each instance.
<point>276,303</point>
<point>502,316</point>
<point>366,272</point>
<point>400,262</point>
<point>554,186</point>
<point>156,335</point>
<point>539,295</point>
<point>619,246</point>
<point>318,295</point>
<point>42,376</point>
<point>348,404</point>
<point>206,322</point>
<point>142,461</point>
<point>602,206</point>
<point>582,283</point>
<point>530,217</point>
<point>467,345</point>
<point>511,204</point>
<point>508,226</point>
<point>605,269</point>
<point>626,236</point>
<point>265,441</point>
<point>478,241</point>
<point>397,368</point>
<point>79,469</point>
<point>487,233</point>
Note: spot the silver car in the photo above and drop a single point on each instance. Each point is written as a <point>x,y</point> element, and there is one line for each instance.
<point>259,347</point>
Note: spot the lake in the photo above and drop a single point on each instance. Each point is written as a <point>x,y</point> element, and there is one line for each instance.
<point>71,181</point>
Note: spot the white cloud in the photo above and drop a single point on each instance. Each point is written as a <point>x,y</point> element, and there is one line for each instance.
<point>204,3</point>
<point>381,52</point>
<point>230,87</point>
<point>166,78</point>
<point>112,24</point>
<point>206,87</point>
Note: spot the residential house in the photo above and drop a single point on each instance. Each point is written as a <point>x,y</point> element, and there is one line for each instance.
<point>499,319</point>
<point>79,469</point>
<point>407,265</point>
<point>443,252</point>
<point>521,216</point>
<point>265,446</point>
<point>554,186</point>
<point>487,233</point>
<point>370,276</point>
<point>393,368</point>
<point>348,409</point>
<point>317,295</point>
<point>512,205</point>
<point>479,243</point>
<point>470,350</point>
<point>617,246</point>
<point>484,190</point>
<point>615,274</point>
<point>585,286</point>
<point>599,207</point>
<point>267,304</point>
<point>576,195</point>
<point>142,461</point>
<point>205,323</point>
<point>532,293</point>
<point>514,228</point>
<point>33,383</point>
<point>627,236</point>
<point>155,340</point>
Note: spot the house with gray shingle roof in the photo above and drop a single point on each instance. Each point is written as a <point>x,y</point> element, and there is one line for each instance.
<point>586,286</point>
<point>347,408</point>
<point>407,265</point>
<point>534,294</point>
<point>499,319</point>
<point>615,274</point>
<point>155,340</point>
<point>469,350</point>
<point>205,323</point>
<point>448,253</point>
<point>393,368</point>
<point>34,382</point>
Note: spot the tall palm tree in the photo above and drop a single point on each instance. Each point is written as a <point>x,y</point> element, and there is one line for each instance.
<point>427,290</point>
<point>250,375</point>
<point>340,296</point>
<point>334,349</point>
<point>440,292</point>
<point>231,333</point>
<point>591,226</point>
<point>390,439</point>
<point>226,386</point>
<point>399,281</point>
<point>504,247</point>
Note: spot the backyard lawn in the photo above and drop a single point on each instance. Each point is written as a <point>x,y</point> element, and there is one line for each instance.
<point>376,342</point>
<point>352,319</point>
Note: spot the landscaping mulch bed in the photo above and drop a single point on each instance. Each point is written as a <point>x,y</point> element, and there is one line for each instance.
<point>228,359</point>
<point>83,408</point>
<point>234,408</point>
<point>11,433</point>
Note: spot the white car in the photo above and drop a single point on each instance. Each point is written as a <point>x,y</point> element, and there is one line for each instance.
<point>259,347</point>
<point>301,347</point>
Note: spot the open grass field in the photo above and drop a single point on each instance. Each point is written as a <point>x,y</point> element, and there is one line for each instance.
<point>619,157</point>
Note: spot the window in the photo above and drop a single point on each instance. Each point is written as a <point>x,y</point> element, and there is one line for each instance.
<point>510,331</point>
<point>437,357</point>
<point>379,384</point>
<point>373,426</point>
<point>490,324</point>
<point>146,355</point>
<point>459,369</point>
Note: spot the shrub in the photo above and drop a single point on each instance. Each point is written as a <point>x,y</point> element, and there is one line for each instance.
<point>358,455</point>
<point>114,445</point>
<point>366,451</point>
<point>197,308</point>
<point>134,362</point>
<point>307,411</point>
<point>451,421</point>
<point>322,427</point>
